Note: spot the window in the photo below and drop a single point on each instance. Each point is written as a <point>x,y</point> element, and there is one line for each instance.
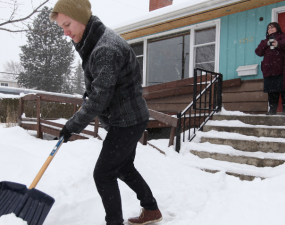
<point>168,58</point>
<point>4,84</point>
<point>205,41</point>
<point>173,55</point>
<point>138,49</point>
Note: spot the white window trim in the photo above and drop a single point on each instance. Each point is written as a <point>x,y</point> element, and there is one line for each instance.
<point>205,44</point>
<point>191,28</point>
<point>144,61</point>
<point>275,12</point>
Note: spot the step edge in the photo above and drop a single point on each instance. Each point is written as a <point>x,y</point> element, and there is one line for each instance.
<point>241,155</point>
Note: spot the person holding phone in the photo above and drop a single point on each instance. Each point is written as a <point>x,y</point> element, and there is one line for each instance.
<point>272,49</point>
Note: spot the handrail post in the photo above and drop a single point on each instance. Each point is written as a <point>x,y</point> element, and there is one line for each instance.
<point>178,133</point>
<point>195,89</point>
<point>220,88</point>
<point>214,89</point>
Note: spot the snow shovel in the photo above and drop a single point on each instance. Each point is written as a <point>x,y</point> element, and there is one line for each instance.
<point>30,204</point>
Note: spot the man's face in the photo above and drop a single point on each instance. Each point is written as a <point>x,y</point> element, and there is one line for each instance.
<point>71,27</point>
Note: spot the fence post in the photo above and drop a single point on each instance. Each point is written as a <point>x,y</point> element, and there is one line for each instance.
<point>39,133</point>
<point>172,135</point>
<point>178,133</point>
<point>143,139</point>
<point>21,109</point>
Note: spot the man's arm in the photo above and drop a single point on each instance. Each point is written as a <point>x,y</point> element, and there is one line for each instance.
<point>105,66</point>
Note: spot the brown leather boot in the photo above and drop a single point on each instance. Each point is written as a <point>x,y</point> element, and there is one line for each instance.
<point>146,217</point>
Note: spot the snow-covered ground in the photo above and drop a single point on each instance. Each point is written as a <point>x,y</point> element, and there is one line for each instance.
<point>185,194</point>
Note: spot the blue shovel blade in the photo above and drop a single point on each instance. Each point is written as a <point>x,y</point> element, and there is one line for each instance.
<point>31,205</point>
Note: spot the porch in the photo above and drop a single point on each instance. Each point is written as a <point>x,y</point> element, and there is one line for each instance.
<point>165,101</point>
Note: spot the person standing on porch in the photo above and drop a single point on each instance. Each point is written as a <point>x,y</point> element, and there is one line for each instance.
<point>272,49</point>
<point>113,86</point>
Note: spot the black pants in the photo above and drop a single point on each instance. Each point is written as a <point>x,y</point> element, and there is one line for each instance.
<point>273,99</point>
<point>116,160</point>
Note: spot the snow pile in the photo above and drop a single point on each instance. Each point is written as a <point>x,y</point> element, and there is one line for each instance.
<point>226,112</point>
<point>11,219</point>
<point>9,96</point>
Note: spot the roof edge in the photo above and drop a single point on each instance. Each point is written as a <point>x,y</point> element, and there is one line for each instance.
<point>174,14</point>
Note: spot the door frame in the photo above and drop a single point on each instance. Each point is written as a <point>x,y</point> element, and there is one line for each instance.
<point>275,12</point>
<point>274,18</point>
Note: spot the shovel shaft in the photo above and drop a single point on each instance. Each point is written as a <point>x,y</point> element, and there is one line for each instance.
<point>46,164</point>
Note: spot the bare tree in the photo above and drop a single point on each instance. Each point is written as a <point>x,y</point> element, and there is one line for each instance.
<point>12,69</point>
<point>16,22</point>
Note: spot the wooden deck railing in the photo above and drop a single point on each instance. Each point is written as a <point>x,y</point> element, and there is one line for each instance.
<point>47,126</point>
<point>174,88</point>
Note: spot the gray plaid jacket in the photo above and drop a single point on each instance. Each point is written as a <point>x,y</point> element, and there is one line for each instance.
<point>112,80</point>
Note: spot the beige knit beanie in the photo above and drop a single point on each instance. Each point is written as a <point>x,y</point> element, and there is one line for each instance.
<point>79,10</point>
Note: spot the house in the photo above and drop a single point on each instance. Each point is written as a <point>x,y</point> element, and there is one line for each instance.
<point>216,35</point>
<point>4,82</point>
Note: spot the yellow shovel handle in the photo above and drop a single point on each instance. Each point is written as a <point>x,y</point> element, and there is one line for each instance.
<point>46,164</point>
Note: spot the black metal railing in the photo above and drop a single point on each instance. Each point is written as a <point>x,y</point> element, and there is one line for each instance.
<point>207,100</point>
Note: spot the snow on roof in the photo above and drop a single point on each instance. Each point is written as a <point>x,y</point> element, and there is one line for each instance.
<point>23,91</point>
<point>7,80</point>
<point>170,12</point>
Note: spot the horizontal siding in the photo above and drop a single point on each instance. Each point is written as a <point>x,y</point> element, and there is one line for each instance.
<point>248,97</point>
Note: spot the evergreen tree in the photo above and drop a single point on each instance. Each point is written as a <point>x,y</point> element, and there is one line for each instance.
<point>67,83</point>
<point>47,57</point>
<point>78,83</point>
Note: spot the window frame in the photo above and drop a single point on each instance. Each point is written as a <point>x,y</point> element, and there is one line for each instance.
<point>4,84</point>
<point>192,28</point>
<point>170,37</point>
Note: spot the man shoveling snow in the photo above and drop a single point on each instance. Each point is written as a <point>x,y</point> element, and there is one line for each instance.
<point>113,86</point>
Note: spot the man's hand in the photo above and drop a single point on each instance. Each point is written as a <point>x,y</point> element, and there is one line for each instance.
<point>65,133</point>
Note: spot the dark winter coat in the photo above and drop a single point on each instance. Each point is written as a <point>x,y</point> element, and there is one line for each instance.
<point>112,80</point>
<point>273,61</point>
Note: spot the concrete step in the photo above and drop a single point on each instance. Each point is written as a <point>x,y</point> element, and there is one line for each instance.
<point>242,171</point>
<point>248,145</point>
<point>251,131</point>
<point>276,120</point>
<point>253,142</point>
<point>229,154</point>
<point>258,162</point>
<point>240,176</point>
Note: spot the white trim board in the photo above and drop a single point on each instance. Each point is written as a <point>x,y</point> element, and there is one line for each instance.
<point>275,12</point>
<point>169,13</point>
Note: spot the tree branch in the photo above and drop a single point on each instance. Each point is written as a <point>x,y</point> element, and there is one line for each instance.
<point>10,73</point>
<point>10,21</point>
<point>13,31</point>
